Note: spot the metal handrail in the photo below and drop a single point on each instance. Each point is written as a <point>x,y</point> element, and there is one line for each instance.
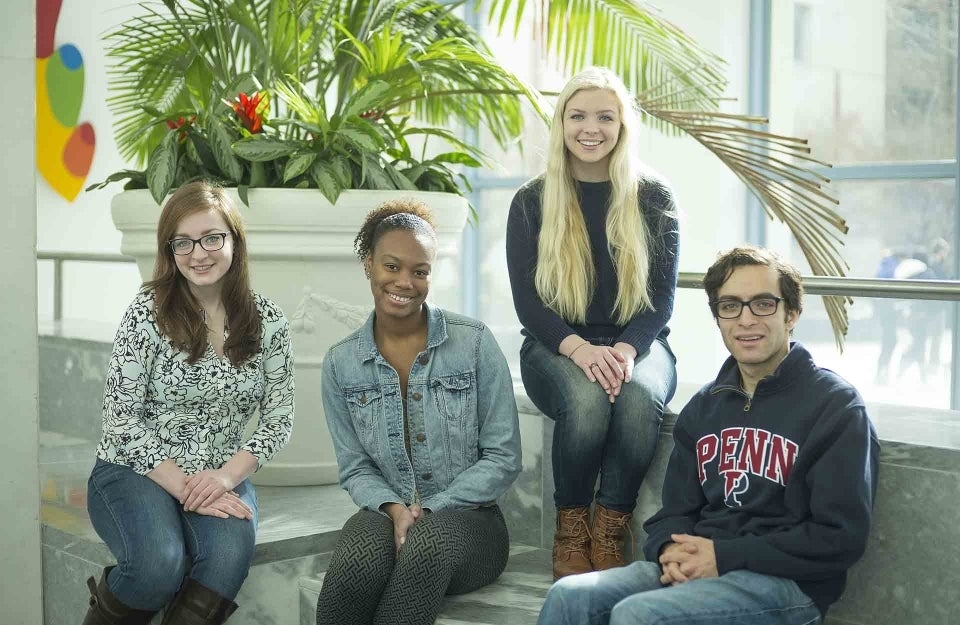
<point>946,290</point>
<point>59,258</point>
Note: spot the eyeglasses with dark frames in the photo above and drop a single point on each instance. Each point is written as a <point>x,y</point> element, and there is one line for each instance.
<point>212,242</point>
<point>733,308</point>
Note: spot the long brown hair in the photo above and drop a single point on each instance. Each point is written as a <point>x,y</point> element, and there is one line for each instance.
<point>179,315</point>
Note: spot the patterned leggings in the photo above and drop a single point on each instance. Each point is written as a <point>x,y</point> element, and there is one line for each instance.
<point>446,552</point>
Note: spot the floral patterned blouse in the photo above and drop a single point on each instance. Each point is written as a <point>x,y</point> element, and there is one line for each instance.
<point>157,406</point>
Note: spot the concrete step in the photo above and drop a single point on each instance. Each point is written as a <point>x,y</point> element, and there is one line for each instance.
<point>514,599</point>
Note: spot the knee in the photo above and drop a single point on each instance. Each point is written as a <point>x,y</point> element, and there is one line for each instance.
<point>365,550</point>
<point>429,540</point>
<point>565,592</point>
<point>234,549</point>
<point>158,572</point>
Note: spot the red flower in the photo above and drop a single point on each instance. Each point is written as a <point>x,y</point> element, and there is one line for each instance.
<point>250,110</point>
<point>180,122</point>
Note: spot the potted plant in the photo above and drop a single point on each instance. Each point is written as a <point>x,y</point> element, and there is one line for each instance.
<point>307,106</point>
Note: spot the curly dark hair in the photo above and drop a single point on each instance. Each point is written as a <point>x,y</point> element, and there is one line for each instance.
<point>399,214</point>
<point>791,286</point>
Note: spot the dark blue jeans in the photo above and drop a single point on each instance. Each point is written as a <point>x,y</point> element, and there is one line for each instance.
<point>154,539</point>
<point>593,436</point>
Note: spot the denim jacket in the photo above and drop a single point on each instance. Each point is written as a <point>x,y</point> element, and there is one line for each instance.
<point>464,433</point>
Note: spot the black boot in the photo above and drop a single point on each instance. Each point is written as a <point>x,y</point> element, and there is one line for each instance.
<point>196,604</point>
<point>106,609</point>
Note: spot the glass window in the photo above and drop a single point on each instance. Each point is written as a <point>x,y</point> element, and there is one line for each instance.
<point>897,352</point>
<point>905,219</point>
<point>873,80</point>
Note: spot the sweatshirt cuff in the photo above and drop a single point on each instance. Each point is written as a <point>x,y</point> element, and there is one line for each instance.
<point>731,554</point>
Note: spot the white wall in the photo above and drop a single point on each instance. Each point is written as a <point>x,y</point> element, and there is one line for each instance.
<point>84,225</point>
<point>20,575</point>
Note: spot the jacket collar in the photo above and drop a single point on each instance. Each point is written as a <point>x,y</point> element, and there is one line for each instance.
<point>436,333</point>
<point>797,363</point>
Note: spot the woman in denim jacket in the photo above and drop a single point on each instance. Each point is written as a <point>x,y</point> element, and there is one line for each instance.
<point>420,406</point>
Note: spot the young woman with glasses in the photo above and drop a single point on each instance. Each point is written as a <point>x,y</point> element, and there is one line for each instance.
<point>592,249</point>
<point>196,354</point>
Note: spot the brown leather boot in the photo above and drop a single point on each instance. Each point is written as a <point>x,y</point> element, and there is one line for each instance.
<point>608,529</point>
<point>571,543</point>
<point>196,604</point>
<point>106,609</point>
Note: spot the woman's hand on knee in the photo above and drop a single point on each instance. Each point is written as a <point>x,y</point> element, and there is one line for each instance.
<point>204,488</point>
<point>403,518</point>
<point>228,505</point>
<point>603,365</point>
<point>626,354</point>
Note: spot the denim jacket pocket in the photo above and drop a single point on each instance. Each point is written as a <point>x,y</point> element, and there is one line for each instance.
<point>366,406</point>
<point>452,394</point>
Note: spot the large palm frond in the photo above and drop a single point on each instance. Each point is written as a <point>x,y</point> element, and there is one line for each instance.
<point>632,39</point>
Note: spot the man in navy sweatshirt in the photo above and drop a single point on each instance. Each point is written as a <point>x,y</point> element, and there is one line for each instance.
<point>768,494</point>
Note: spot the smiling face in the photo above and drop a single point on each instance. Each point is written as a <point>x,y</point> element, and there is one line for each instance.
<point>757,343</point>
<point>399,268</point>
<point>591,129</point>
<point>204,269</point>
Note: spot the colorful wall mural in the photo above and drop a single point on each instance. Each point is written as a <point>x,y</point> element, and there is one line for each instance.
<point>64,147</point>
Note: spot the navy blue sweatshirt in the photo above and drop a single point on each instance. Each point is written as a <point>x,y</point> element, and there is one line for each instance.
<point>544,324</point>
<point>783,482</point>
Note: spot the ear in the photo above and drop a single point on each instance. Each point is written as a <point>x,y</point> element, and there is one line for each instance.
<point>792,317</point>
<point>367,264</point>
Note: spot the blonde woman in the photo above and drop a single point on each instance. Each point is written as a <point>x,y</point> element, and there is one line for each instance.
<point>592,249</point>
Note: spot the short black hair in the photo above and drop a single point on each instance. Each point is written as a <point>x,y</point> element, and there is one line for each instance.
<point>399,214</point>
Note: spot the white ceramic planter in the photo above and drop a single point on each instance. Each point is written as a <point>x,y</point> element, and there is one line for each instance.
<point>301,257</point>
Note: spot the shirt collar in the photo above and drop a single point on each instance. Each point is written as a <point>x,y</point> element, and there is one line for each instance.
<point>797,360</point>
<point>436,333</point>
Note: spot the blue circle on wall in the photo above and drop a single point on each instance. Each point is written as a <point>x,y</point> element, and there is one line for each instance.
<point>70,56</point>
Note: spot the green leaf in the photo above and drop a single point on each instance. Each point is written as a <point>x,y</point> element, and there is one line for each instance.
<point>162,167</point>
<point>221,142</point>
<point>125,174</point>
<point>371,97</point>
<point>459,158</point>
<point>360,139</point>
<point>259,148</point>
<point>399,180</point>
<point>242,192</point>
<point>342,171</point>
<point>327,183</point>
<point>375,176</point>
<point>258,174</point>
<point>298,164</point>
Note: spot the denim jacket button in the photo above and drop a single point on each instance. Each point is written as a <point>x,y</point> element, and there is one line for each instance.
<point>416,396</point>
<point>421,437</point>
<point>423,359</point>
<point>427,475</point>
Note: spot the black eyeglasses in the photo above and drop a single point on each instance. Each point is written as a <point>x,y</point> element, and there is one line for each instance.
<point>182,246</point>
<point>733,308</point>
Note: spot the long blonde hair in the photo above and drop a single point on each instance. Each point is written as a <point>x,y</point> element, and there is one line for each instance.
<point>565,276</point>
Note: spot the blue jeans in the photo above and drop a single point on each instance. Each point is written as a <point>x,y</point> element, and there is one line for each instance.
<point>633,595</point>
<point>592,435</point>
<point>152,538</point>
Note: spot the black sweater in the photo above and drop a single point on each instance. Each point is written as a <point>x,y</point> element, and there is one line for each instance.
<point>545,325</point>
<point>783,483</point>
